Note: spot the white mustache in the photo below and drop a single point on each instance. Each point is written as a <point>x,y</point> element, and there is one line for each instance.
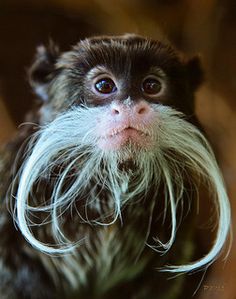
<point>70,139</point>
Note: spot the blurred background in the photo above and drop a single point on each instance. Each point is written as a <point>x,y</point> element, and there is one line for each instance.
<point>205,27</point>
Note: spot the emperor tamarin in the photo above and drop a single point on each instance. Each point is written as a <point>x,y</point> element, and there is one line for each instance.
<point>103,186</point>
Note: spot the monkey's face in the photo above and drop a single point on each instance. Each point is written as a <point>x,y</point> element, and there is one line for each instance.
<point>126,115</point>
<point>126,87</point>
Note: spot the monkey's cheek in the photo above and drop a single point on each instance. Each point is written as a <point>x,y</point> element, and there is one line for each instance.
<point>122,139</point>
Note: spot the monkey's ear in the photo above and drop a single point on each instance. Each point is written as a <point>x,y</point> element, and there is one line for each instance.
<point>195,74</point>
<point>43,69</point>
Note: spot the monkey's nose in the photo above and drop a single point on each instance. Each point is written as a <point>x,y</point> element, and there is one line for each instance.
<point>138,109</point>
<point>141,108</point>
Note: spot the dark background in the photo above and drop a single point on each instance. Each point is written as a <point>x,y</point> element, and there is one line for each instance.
<point>207,27</point>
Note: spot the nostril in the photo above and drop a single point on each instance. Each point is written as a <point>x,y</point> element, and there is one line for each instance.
<point>142,110</point>
<point>115,111</point>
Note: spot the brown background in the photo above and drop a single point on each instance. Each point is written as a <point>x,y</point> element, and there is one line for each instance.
<point>207,27</point>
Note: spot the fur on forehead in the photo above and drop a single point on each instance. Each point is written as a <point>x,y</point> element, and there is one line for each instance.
<point>115,51</point>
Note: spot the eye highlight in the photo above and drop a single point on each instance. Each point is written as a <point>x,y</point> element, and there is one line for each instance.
<point>105,86</point>
<point>151,86</point>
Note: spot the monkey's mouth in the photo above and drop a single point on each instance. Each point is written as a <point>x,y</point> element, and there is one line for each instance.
<point>119,137</point>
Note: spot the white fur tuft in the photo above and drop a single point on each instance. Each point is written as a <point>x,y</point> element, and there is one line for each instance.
<point>70,142</point>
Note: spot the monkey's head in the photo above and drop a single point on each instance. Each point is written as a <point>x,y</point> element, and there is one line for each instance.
<point>114,101</point>
<point>126,78</point>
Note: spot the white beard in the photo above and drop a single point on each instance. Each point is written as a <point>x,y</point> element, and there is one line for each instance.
<point>70,141</point>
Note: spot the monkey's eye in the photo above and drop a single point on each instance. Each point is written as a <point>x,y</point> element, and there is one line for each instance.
<point>105,85</point>
<point>151,86</point>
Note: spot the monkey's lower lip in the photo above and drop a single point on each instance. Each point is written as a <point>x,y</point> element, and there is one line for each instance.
<point>119,138</point>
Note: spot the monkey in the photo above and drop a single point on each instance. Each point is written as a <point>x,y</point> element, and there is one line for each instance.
<point>100,188</point>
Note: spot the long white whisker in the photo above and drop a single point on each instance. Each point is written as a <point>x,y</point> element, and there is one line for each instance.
<point>65,153</point>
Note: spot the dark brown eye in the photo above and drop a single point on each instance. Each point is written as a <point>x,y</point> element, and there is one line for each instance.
<point>105,85</point>
<point>151,86</point>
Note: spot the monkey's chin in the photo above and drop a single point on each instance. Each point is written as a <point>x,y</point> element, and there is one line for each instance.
<point>128,136</point>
